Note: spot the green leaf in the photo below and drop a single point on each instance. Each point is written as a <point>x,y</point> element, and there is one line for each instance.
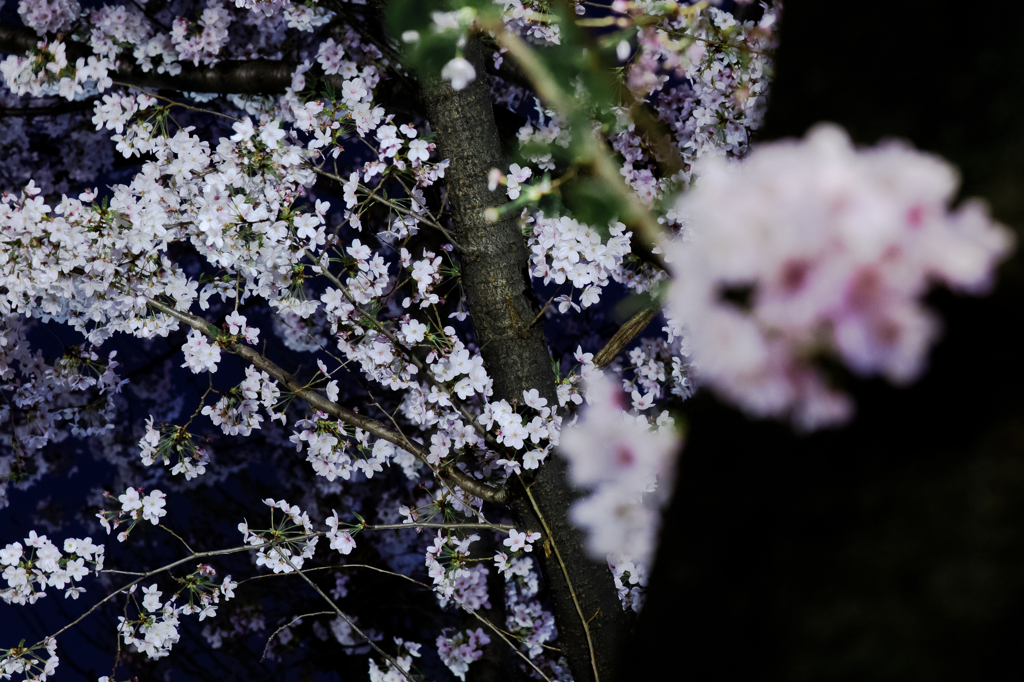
<point>589,201</point>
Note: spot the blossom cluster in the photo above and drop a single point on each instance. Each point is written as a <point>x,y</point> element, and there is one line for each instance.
<point>26,661</point>
<point>565,250</point>
<point>155,630</point>
<point>446,562</point>
<point>390,673</point>
<point>526,617</point>
<point>628,462</point>
<point>470,590</point>
<point>460,649</point>
<point>46,403</point>
<point>47,72</point>
<point>231,231</point>
<point>237,411</point>
<point>30,568</point>
<point>289,542</point>
<point>630,580</point>
<point>708,76</point>
<point>49,16</point>
<point>813,248</point>
<point>160,442</point>
<point>134,507</point>
<point>328,449</point>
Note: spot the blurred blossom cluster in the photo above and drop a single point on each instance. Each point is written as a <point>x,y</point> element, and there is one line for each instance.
<point>627,460</point>
<point>812,250</point>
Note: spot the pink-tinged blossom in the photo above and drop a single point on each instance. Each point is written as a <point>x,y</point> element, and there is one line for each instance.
<point>517,541</point>
<point>49,16</point>
<point>643,402</point>
<point>413,332</point>
<point>244,130</point>
<point>200,354</point>
<point>534,458</point>
<point>516,176</point>
<point>153,507</point>
<point>836,246</point>
<point>462,648</point>
<point>565,250</point>
<point>340,540</point>
<point>628,463</point>
<point>533,399</point>
<point>151,598</point>
<point>130,501</point>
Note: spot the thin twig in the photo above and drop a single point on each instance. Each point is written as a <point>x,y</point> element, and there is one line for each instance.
<point>174,102</point>
<point>162,569</point>
<point>288,625</point>
<point>320,402</point>
<point>568,582</point>
<point>454,526</point>
<point>348,620</point>
<point>372,194</point>
<point>177,536</point>
<point>505,639</point>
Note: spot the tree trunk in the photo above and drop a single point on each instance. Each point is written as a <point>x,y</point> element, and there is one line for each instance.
<point>503,309</point>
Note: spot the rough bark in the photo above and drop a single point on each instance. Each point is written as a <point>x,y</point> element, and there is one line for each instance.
<point>503,309</point>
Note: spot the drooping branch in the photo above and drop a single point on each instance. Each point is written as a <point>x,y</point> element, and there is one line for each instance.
<point>318,401</point>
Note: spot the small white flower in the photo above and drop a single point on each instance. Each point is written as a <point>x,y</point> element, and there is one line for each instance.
<point>151,600</point>
<point>343,542</point>
<point>643,402</point>
<point>130,500</point>
<point>533,399</point>
<point>460,72</point>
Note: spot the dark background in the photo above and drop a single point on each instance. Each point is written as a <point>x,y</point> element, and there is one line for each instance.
<point>893,549</point>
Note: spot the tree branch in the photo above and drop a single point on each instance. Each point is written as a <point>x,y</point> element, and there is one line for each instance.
<point>230,76</point>
<point>320,402</point>
<point>63,107</point>
<point>627,332</point>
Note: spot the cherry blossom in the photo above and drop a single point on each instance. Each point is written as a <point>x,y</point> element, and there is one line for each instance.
<point>460,72</point>
<point>845,243</point>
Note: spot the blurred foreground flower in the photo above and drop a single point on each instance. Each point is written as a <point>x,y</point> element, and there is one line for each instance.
<point>460,72</point>
<point>813,249</point>
<point>628,461</point>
